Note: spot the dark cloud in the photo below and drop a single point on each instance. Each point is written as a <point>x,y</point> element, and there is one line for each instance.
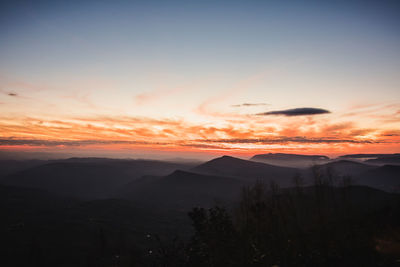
<point>296,112</point>
<point>41,142</point>
<point>202,146</point>
<point>284,139</point>
<point>12,94</point>
<point>391,134</point>
<point>249,105</point>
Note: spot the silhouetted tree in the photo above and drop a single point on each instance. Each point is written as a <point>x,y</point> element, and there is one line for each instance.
<point>320,225</point>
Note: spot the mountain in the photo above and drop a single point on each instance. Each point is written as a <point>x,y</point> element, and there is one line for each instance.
<point>359,197</point>
<point>375,159</point>
<point>8,167</point>
<point>248,171</point>
<point>345,167</point>
<point>386,178</point>
<point>34,221</point>
<point>365,156</point>
<point>290,160</point>
<point>18,202</point>
<point>88,178</point>
<point>392,160</point>
<point>48,227</point>
<point>182,189</point>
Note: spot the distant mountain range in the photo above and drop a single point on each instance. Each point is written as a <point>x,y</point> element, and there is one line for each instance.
<point>346,167</point>
<point>291,160</point>
<point>385,177</point>
<point>182,190</point>
<point>375,159</point>
<point>247,171</point>
<point>87,178</point>
<point>92,178</point>
<point>369,155</point>
<point>70,204</point>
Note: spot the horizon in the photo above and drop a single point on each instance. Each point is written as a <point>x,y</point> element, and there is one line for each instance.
<point>198,80</point>
<point>203,157</point>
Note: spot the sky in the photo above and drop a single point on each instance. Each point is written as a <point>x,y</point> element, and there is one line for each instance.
<point>199,78</point>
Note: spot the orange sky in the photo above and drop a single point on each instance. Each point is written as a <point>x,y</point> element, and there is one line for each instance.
<point>194,79</point>
<point>355,131</point>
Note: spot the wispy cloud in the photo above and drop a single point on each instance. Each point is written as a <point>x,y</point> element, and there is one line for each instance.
<point>249,105</point>
<point>125,132</point>
<point>43,142</point>
<point>296,112</point>
<point>207,107</point>
<point>285,139</point>
<point>148,97</point>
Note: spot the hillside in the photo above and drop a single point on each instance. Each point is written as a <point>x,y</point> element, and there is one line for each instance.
<point>88,178</point>
<point>247,171</point>
<point>182,190</point>
<point>290,160</point>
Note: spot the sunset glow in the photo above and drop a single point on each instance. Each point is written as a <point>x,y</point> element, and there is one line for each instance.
<point>141,78</point>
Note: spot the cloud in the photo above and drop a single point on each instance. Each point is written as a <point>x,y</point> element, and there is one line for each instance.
<point>12,94</point>
<point>148,97</point>
<point>126,132</point>
<point>41,142</point>
<point>249,105</point>
<point>206,107</point>
<point>285,139</point>
<point>202,146</point>
<point>391,133</point>
<point>296,112</point>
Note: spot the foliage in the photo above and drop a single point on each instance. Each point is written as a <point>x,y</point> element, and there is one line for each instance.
<point>320,225</point>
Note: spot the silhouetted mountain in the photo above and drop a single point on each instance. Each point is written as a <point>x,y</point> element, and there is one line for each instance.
<point>182,189</point>
<point>88,178</point>
<point>385,178</point>
<point>248,171</point>
<point>392,159</point>
<point>58,213</point>
<point>37,222</point>
<point>345,167</point>
<point>55,228</point>
<point>376,159</point>
<point>16,203</point>
<point>365,156</point>
<point>290,160</point>
<point>362,197</point>
<point>8,167</point>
